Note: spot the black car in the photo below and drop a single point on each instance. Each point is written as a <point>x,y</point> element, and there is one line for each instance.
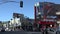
<point>2,30</point>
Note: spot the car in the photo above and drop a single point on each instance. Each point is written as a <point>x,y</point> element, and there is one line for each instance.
<point>7,29</point>
<point>58,31</point>
<point>2,30</point>
<point>51,30</point>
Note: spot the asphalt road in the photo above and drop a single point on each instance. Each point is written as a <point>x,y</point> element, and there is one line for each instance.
<point>22,32</point>
<point>19,32</point>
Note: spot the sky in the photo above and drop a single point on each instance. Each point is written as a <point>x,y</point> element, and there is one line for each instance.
<point>7,9</point>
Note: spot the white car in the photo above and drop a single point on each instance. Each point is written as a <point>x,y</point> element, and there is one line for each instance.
<point>7,29</point>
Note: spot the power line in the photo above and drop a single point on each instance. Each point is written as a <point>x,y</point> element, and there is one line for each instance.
<point>8,2</point>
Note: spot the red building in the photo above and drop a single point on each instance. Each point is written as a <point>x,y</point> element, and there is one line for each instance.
<point>45,14</point>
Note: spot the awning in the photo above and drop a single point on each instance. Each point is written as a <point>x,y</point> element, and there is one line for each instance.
<point>44,22</point>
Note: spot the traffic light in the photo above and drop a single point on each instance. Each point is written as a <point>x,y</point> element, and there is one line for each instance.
<point>21,4</point>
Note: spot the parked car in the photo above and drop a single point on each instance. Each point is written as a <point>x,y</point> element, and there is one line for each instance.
<point>0,29</point>
<point>7,29</point>
<point>58,31</point>
<point>3,30</point>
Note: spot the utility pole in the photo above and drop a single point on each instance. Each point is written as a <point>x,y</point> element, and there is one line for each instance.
<point>21,6</point>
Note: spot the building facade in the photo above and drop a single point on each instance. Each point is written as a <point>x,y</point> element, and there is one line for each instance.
<point>47,13</point>
<point>16,21</point>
